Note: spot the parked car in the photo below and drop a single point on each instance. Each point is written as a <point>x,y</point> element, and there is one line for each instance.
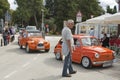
<point>31,28</point>
<point>32,40</point>
<point>88,52</point>
<point>20,30</point>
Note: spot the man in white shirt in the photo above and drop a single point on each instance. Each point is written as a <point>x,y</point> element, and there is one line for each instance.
<point>67,48</point>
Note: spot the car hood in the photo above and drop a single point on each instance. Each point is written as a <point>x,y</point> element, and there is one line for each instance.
<point>97,49</point>
<point>38,39</point>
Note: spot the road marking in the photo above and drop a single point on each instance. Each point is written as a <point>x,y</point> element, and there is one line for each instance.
<point>36,57</point>
<point>26,64</point>
<point>7,76</point>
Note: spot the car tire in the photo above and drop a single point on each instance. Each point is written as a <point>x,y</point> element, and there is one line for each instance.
<point>86,62</point>
<point>21,47</point>
<point>47,50</point>
<point>28,49</point>
<point>58,56</point>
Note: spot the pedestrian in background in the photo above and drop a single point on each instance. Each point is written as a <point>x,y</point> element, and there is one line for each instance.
<point>105,41</point>
<point>92,32</point>
<point>67,48</point>
<point>5,35</point>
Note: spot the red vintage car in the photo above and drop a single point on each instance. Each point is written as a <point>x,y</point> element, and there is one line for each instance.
<point>88,52</point>
<point>32,40</point>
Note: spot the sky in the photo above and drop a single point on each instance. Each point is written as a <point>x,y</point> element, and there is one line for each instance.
<point>103,3</point>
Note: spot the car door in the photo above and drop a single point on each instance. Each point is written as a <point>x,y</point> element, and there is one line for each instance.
<point>76,55</point>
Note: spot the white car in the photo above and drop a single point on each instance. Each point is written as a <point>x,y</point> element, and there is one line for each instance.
<point>31,28</point>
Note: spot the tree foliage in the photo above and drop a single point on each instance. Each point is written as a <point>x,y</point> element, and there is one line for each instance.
<point>90,7</point>
<point>67,9</point>
<point>110,10</point>
<point>4,6</point>
<point>29,11</point>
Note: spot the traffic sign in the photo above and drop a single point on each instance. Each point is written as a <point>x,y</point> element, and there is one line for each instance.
<point>79,17</point>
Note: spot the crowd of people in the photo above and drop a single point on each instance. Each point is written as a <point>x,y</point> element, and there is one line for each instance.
<point>8,35</point>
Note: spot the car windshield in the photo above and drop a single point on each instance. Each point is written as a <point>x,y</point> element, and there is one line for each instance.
<point>30,28</point>
<point>34,34</point>
<point>89,41</point>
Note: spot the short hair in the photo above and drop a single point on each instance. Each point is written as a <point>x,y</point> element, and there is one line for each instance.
<point>70,21</point>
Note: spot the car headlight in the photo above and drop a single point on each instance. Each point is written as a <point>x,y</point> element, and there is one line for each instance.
<point>97,55</point>
<point>114,53</point>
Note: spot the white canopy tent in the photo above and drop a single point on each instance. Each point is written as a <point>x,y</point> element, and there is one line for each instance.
<point>113,19</point>
<point>98,23</point>
<point>99,19</point>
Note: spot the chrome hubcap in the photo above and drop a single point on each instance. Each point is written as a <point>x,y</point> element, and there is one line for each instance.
<point>85,62</point>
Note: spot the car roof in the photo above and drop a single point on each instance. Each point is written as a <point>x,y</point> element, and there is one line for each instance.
<point>30,26</point>
<point>21,28</point>
<point>33,31</point>
<point>82,36</point>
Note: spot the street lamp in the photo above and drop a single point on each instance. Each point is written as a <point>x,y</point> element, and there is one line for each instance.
<point>118,1</point>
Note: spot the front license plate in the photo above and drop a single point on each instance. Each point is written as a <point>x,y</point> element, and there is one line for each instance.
<point>107,64</point>
<point>40,47</point>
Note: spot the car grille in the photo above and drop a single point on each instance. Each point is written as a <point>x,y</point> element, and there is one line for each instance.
<point>40,44</point>
<point>107,56</point>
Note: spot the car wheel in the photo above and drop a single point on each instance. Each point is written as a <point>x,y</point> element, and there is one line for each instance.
<point>27,49</point>
<point>57,56</point>
<point>47,50</point>
<point>86,63</point>
<point>21,46</point>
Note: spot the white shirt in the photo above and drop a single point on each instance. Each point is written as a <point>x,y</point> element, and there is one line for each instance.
<point>66,35</point>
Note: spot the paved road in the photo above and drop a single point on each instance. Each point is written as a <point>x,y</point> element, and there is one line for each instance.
<point>16,64</point>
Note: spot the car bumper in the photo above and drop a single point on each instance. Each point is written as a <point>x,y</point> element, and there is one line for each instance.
<point>104,62</point>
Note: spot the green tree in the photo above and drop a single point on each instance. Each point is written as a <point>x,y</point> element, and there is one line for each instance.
<point>63,10</point>
<point>114,9</point>
<point>110,10</point>
<point>30,10</point>
<point>4,6</point>
<point>67,9</point>
<point>90,7</point>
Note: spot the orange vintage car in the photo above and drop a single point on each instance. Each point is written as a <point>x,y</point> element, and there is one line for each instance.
<point>88,52</point>
<point>32,40</point>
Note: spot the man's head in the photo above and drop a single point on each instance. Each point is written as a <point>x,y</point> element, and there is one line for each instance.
<point>70,23</point>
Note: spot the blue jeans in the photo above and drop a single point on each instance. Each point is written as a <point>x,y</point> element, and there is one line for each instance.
<point>5,40</point>
<point>67,65</point>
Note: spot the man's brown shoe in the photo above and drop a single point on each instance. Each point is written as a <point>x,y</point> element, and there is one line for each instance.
<point>68,75</point>
<point>73,72</point>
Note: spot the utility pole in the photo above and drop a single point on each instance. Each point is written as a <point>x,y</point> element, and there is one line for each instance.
<point>42,24</point>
